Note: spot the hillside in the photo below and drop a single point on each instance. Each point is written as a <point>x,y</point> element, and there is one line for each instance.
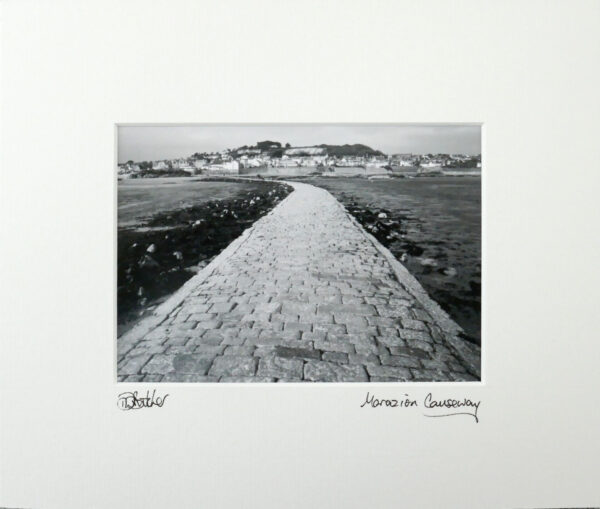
<point>357,149</point>
<point>276,149</point>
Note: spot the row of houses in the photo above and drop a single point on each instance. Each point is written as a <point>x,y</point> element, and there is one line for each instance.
<point>231,162</point>
<point>435,160</point>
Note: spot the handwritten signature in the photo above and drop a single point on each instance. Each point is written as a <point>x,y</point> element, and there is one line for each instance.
<point>132,401</point>
<point>464,406</point>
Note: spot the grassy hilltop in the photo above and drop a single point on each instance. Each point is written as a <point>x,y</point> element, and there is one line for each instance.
<point>356,149</point>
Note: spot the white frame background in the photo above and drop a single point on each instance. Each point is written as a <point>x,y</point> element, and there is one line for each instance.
<point>72,70</point>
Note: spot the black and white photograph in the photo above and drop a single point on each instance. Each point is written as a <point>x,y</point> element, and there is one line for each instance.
<point>299,253</point>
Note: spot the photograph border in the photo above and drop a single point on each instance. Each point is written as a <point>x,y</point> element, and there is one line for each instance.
<point>173,299</point>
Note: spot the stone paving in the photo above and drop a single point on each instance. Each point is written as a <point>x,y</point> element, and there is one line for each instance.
<point>305,295</point>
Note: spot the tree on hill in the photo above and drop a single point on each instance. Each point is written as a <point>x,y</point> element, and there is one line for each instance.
<point>263,145</point>
<point>357,149</point>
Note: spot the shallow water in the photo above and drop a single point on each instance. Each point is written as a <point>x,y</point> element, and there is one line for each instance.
<point>441,216</point>
<point>139,199</point>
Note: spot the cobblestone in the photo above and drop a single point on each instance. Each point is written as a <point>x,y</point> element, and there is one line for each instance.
<point>133,364</point>
<point>233,365</point>
<point>400,361</point>
<point>339,357</point>
<point>188,378</point>
<point>333,372</point>
<point>365,359</point>
<point>239,350</point>
<point>398,373</point>
<point>279,367</point>
<point>305,295</point>
<point>301,353</point>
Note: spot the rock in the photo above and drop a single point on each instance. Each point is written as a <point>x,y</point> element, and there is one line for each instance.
<point>151,248</point>
<point>297,353</point>
<point>198,222</point>
<point>320,371</point>
<point>450,272</point>
<point>234,365</point>
<point>382,215</point>
<point>279,367</point>
<point>428,262</point>
<point>178,255</point>
<point>148,261</point>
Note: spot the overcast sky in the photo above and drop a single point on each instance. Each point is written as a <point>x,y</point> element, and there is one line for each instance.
<point>150,143</point>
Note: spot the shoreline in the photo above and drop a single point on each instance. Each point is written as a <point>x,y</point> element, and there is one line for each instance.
<point>158,255</point>
<point>309,310</point>
<point>279,173</point>
<point>393,228</point>
<point>173,229</point>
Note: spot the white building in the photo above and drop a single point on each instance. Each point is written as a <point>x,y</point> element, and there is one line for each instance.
<point>431,164</point>
<point>286,162</point>
<point>188,168</point>
<point>224,168</point>
<point>350,161</point>
<point>305,151</point>
<point>377,163</point>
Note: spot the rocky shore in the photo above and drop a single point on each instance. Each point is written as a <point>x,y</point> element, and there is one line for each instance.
<point>391,231</point>
<point>304,298</point>
<point>457,291</point>
<point>158,256</point>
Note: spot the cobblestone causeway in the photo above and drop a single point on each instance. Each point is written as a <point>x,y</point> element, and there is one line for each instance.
<point>304,296</point>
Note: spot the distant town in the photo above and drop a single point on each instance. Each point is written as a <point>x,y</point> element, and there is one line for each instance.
<point>271,157</point>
